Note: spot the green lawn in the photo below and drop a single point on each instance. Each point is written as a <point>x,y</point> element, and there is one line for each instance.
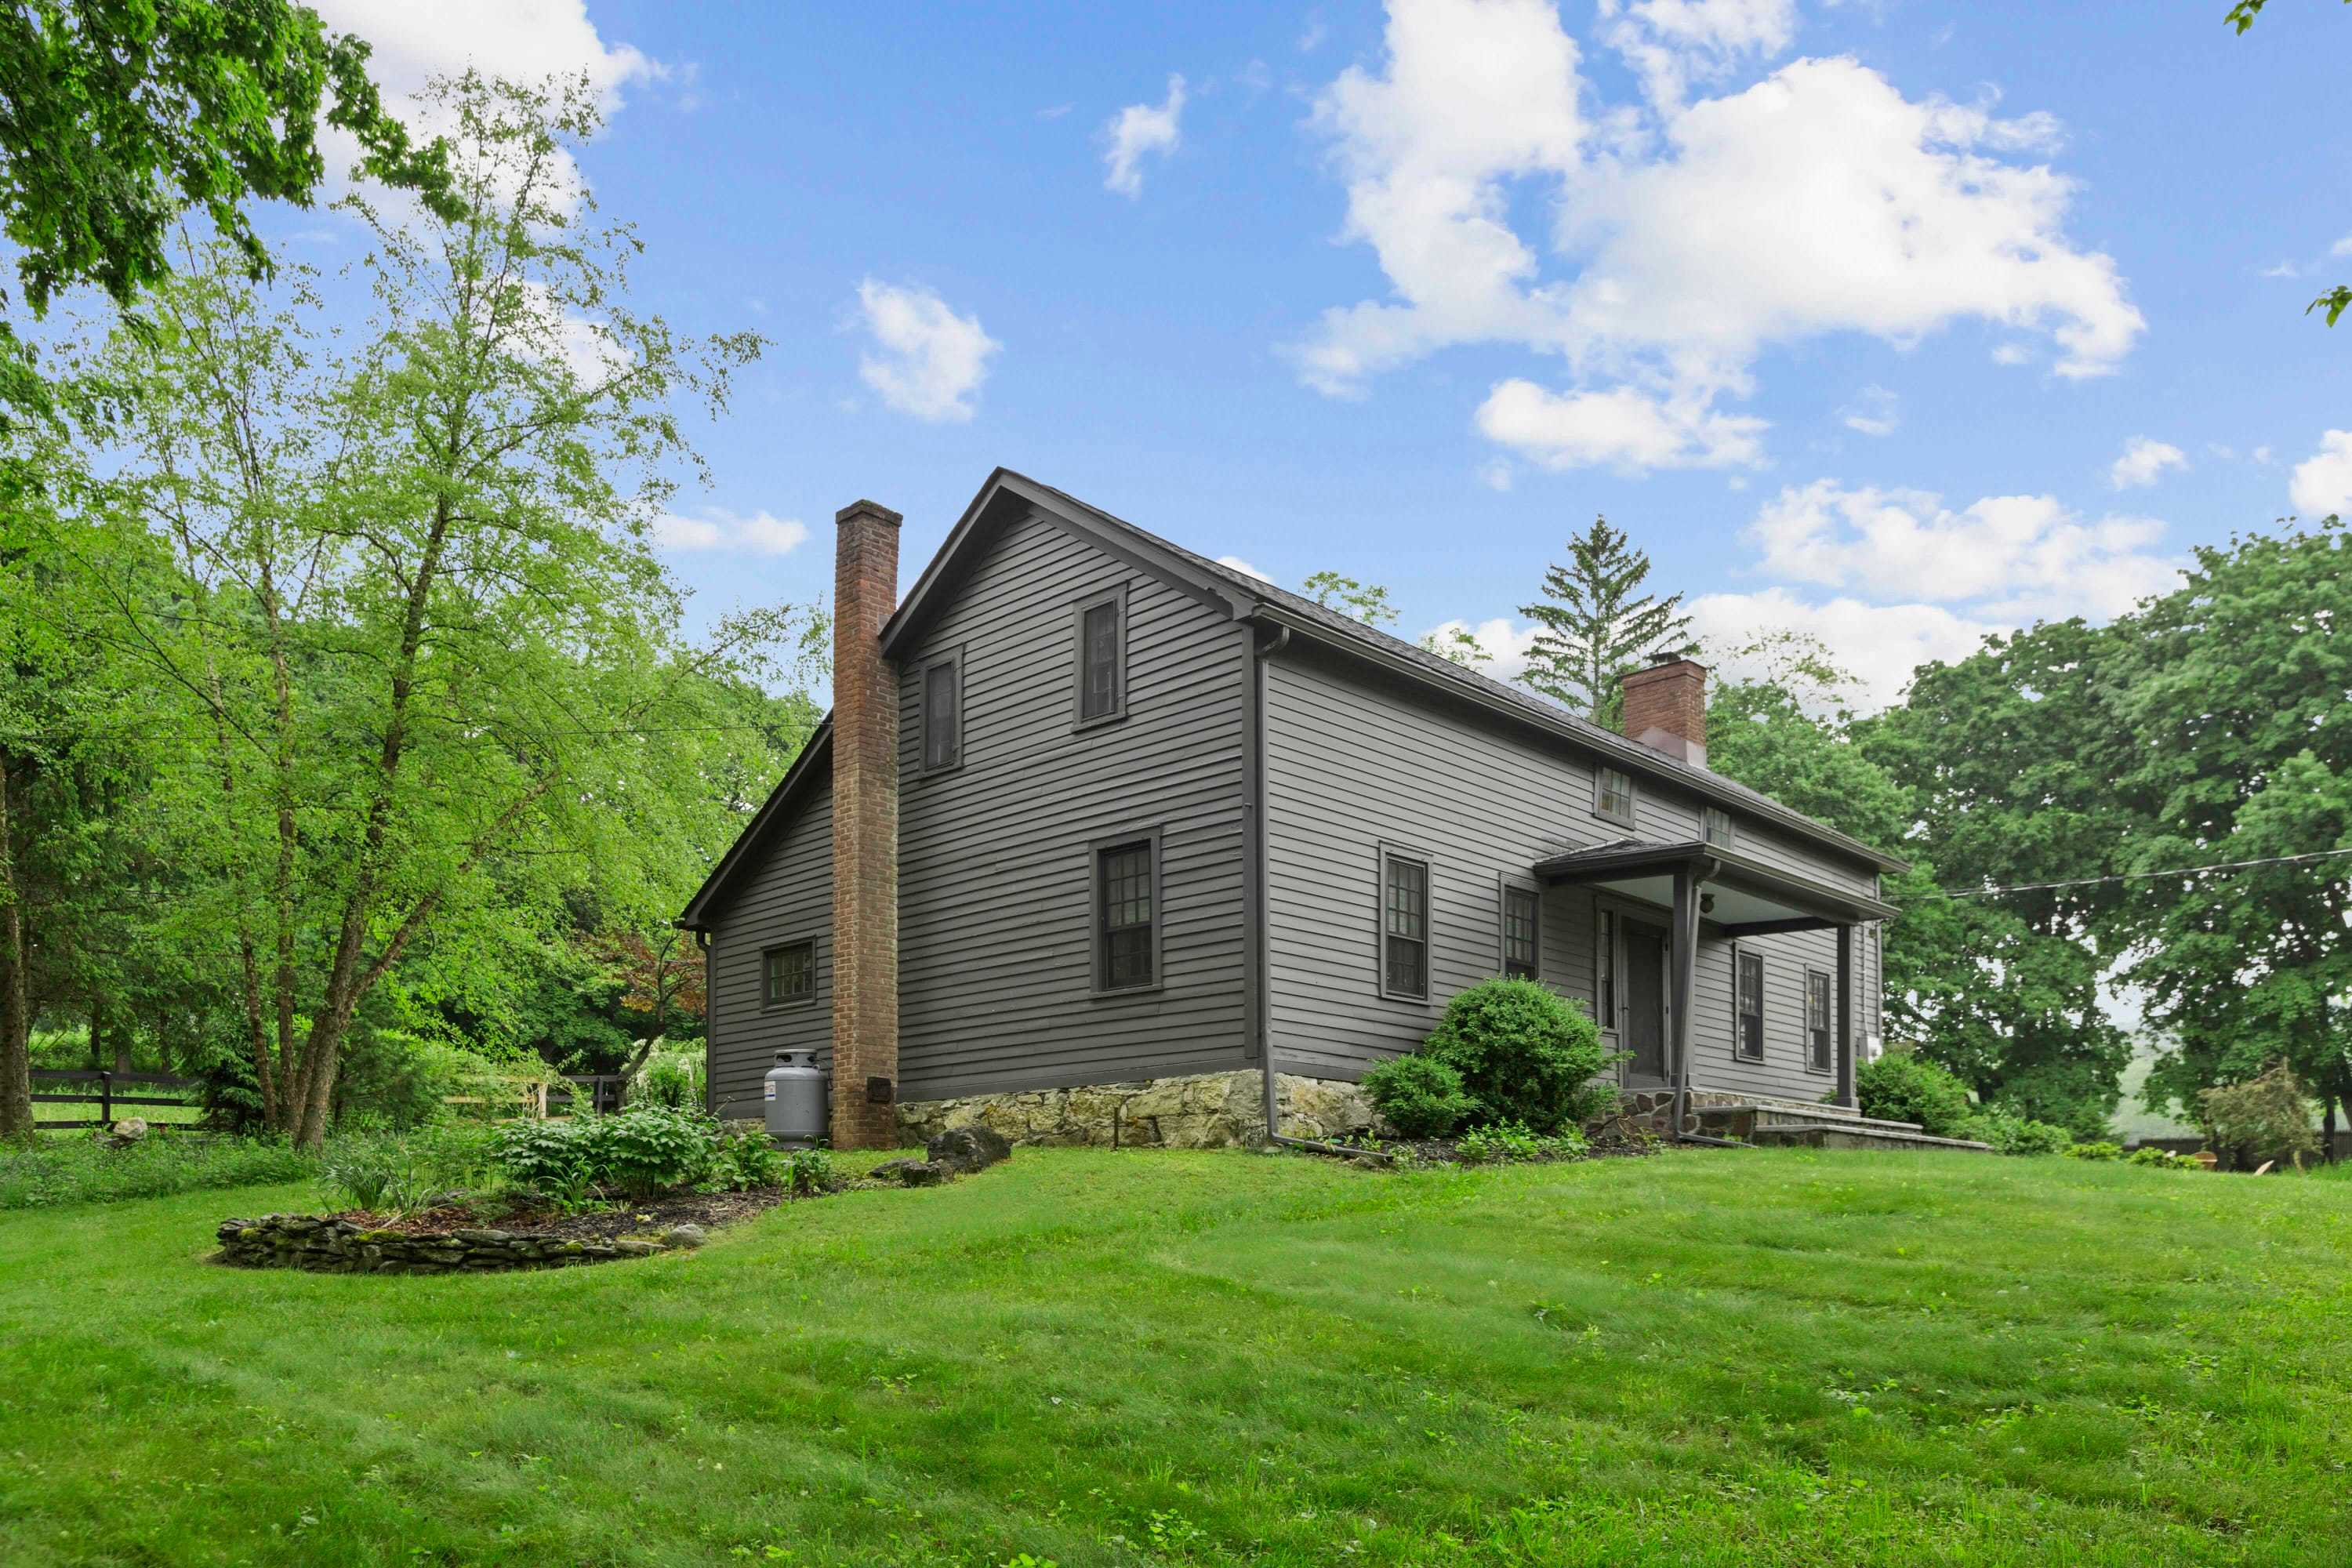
<point>1101,1357</point>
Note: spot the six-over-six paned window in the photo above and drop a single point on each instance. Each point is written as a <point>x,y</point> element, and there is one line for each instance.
<point>1521,939</point>
<point>1102,660</point>
<point>1749,1016</point>
<point>1715,826</point>
<point>788,974</point>
<point>1405,926</point>
<point>1612,796</point>
<point>1126,903</point>
<point>1817,1020</point>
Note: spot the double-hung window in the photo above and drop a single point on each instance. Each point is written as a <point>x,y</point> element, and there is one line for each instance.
<point>942,714</point>
<point>1612,796</point>
<point>1405,927</point>
<point>1522,915</point>
<point>1715,826</point>
<point>1817,1020</point>
<point>788,974</point>
<point>1749,1017</point>
<point>1102,659</point>
<point>1126,915</point>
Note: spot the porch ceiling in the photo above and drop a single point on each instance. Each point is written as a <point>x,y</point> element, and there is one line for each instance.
<point>1748,895</point>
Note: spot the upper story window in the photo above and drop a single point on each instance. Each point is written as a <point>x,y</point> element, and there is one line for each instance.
<point>942,714</point>
<point>1612,796</point>
<point>1127,946</point>
<point>788,974</point>
<point>1405,927</point>
<point>1102,659</point>
<point>1715,826</point>
<point>1817,1020</point>
<point>1522,944</point>
<point>1749,1019</point>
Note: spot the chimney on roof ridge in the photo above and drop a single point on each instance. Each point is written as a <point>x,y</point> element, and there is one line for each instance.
<point>865,831</point>
<point>1665,707</point>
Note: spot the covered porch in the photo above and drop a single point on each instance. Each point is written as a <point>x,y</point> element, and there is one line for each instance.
<point>1678,896</point>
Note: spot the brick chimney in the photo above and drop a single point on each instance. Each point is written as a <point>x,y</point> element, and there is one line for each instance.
<point>865,831</point>
<point>1665,707</point>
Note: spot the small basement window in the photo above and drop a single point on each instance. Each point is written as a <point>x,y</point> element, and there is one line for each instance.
<point>1817,1020</point>
<point>1612,796</point>
<point>1102,659</point>
<point>942,714</point>
<point>1126,947</point>
<point>788,974</point>
<point>1748,1043</point>
<point>1522,913</point>
<point>1405,927</point>
<point>1715,826</point>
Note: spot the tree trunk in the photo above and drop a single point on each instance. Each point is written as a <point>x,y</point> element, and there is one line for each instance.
<point>15,988</point>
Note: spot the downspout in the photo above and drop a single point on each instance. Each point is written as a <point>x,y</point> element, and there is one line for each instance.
<point>1262,981</point>
<point>1689,882</point>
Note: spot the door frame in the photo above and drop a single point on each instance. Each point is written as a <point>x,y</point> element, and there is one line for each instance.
<point>1661,922</point>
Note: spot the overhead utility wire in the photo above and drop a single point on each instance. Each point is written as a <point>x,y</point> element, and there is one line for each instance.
<point>2143,876</point>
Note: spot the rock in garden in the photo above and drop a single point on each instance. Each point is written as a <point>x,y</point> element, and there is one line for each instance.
<point>911,1172</point>
<point>688,1234</point>
<point>122,1134</point>
<point>963,1150</point>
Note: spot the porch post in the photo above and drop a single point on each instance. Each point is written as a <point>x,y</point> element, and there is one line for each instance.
<point>1685,959</point>
<point>1846,1015</point>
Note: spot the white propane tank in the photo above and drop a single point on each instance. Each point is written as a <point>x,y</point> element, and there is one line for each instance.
<point>794,1091</point>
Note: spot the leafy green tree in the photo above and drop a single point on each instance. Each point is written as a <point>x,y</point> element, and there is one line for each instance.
<point>1457,645</point>
<point>1368,602</point>
<point>1598,624</point>
<point>121,115</point>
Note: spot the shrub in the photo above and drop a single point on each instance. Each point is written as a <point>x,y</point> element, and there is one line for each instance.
<point>672,1077</point>
<point>379,1175</point>
<point>809,1171</point>
<point>742,1161</point>
<point>1419,1096</point>
<point>2163,1159</point>
<point>2265,1117</point>
<point>650,1148</point>
<point>2095,1150</point>
<point>1502,1143</point>
<point>1901,1088</point>
<point>553,1159</point>
<point>1524,1053</point>
<point>2010,1134</point>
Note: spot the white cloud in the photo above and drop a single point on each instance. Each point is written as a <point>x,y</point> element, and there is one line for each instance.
<point>1507,643</point>
<point>2342,247</point>
<point>1879,644</point>
<point>1496,475</point>
<point>2014,557</point>
<point>2143,462</point>
<point>1686,238</point>
<point>1623,428</point>
<point>1244,567</point>
<point>2283,269</point>
<point>1136,130</point>
<point>2011,353</point>
<point>2259,453</point>
<point>1671,42</point>
<point>1874,411</point>
<point>760,533</point>
<point>2323,481</point>
<point>930,361</point>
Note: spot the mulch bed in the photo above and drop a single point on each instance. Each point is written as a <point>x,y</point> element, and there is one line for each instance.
<point>705,1209</point>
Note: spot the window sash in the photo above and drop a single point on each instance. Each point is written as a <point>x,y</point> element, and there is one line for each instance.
<point>1715,826</point>
<point>1817,1020</point>
<point>942,714</point>
<point>1522,917</point>
<point>788,974</point>
<point>1405,927</point>
<point>1125,906</point>
<point>1749,1039</point>
<point>1101,680</point>
<point>1612,795</point>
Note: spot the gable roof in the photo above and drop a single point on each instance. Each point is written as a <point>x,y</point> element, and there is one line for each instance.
<point>1245,598</point>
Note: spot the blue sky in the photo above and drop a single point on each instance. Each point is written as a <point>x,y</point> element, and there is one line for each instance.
<point>1893,323</point>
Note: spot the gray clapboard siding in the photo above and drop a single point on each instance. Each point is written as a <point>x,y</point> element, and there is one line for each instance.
<point>788,898</point>
<point>1354,762</point>
<point>996,863</point>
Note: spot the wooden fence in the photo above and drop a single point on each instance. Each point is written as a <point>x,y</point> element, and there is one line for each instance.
<point>99,1088</point>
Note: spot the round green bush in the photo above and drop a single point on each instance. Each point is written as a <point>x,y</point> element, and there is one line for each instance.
<point>2010,1134</point>
<point>1419,1096</point>
<point>1906,1088</point>
<point>1524,1054</point>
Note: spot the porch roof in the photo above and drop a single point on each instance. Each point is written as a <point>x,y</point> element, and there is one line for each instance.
<point>1744,897</point>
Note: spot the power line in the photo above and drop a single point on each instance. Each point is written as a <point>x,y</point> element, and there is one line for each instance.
<point>2144,876</point>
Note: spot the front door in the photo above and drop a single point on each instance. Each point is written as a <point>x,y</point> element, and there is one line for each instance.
<point>1645,1005</point>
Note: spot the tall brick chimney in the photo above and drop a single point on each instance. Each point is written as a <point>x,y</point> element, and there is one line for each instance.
<point>865,831</point>
<point>1665,707</point>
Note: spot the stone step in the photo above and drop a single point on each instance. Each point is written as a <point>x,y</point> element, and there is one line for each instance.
<point>1780,1113</point>
<point>1794,1135</point>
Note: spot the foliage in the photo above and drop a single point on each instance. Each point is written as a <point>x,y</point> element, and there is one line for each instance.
<point>1505,1143</point>
<point>123,118</point>
<point>1455,645</point>
<point>741,1161</point>
<point>1597,624</point>
<point>810,1173</point>
<point>2266,1118</point>
<point>61,1171</point>
<point>637,1151</point>
<point>1419,1095</point>
<point>673,1078</point>
<point>2010,1134</point>
<point>1524,1053</point>
<point>2099,1150</point>
<point>377,1175</point>
<point>2162,1158</point>
<point>1368,602</point>
<point>556,1159</point>
<point>1900,1086</point>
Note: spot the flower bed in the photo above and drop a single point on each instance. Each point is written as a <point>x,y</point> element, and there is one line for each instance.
<point>453,1239</point>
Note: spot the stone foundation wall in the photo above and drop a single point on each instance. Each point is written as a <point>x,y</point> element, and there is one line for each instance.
<point>326,1246</point>
<point>1653,1110</point>
<point>1207,1110</point>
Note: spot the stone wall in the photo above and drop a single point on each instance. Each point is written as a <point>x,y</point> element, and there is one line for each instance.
<point>1208,1110</point>
<point>339,1247</point>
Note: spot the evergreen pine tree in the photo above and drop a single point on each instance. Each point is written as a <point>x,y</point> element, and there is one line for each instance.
<point>1598,624</point>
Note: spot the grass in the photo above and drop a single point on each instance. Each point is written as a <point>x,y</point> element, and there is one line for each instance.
<point>1095,1357</point>
<point>62,1169</point>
